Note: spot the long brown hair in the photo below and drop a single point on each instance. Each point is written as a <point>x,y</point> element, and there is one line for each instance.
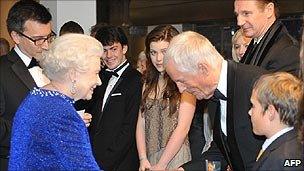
<point>151,77</point>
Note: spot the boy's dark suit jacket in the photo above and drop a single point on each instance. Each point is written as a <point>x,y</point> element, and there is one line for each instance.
<point>112,131</point>
<point>15,83</point>
<point>285,147</point>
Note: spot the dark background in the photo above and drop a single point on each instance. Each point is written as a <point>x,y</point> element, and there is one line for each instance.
<point>214,19</point>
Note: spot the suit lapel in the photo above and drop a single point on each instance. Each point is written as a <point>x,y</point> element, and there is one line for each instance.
<point>109,97</point>
<point>255,54</point>
<point>266,43</point>
<point>274,145</point>
<point>230,97</point>
<point>21,71</point>
<point>121,78</point>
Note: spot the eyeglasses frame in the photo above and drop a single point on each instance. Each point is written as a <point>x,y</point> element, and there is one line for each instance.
<point>52,34</point>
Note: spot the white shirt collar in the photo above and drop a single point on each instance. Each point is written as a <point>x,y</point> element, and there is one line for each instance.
<point>26,59</point>
<point>222,85</point>
<point>122,70</point>
<point>268,141</point>
<point>257,40</point>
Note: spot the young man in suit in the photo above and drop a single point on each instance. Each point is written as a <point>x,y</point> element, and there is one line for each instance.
<point>115,105</point>
<point>275,99</point>
<point>29,25</point>
<point>271,47</point>
<point>196,67</point>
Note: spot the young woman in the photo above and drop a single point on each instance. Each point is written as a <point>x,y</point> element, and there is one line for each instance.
<point>165,115</point>
<point>240,44</point>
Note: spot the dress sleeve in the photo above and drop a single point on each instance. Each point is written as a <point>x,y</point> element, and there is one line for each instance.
<point>70,141</point>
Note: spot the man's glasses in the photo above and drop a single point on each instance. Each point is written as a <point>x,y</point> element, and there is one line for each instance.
<point>39,41</point>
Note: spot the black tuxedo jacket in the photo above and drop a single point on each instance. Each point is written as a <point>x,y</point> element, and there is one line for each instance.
<point>283,149</point>
<point>15,83</point>
<point>112,131</point>
<point>241,146</point>
<point>277,51</point>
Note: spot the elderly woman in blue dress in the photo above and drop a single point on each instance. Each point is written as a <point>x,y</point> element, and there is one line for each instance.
<point>48,133</point>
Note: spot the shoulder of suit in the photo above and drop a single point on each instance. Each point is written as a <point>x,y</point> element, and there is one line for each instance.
<point>9,58</point>
<point>131,71</point>
<point>250,70</point>
<point>284,40</point>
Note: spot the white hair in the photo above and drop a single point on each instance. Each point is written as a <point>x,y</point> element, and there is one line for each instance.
<point>70,51</point>
<point>188,49</point>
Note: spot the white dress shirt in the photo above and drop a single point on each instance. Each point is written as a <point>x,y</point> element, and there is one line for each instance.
<point>36,72</point>
<point>222,87</point>
<point>113,80</point>
<point>268,141</point>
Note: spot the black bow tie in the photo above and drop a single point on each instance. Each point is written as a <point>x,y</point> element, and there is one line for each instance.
<point>33,63</point>
<point>114,73</point>
<point>218,95</point>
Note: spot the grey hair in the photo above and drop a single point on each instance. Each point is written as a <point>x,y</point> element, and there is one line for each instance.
<point>188,49</point>
<point>70,51</point>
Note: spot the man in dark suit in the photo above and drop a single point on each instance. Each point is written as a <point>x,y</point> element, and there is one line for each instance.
<point>196,67</point>
<point>115,105</point>
<point>29,25</point>
<point>275,99</point>
<point>271,47</point>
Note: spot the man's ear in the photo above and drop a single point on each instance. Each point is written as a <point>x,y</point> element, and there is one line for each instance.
<point>203,68</point>
<point>124,49</point>
<point>269,9</point>
<point>272,112</point>
<point>15,36</point>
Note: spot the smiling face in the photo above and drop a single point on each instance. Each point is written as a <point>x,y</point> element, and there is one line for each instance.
<point>199,84</point>
<point>157,51</point>
<point>253,20</point>
<point>88,80</point>
<point>114,55</point>
<point>34,30</point>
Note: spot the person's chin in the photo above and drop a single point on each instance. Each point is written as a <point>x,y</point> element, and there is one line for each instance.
<point>161,69</point>
<point>198,96</point>
<point>89,96</point>
<point>248,33</point>
<point>111,65</point>
<point>256,132</point>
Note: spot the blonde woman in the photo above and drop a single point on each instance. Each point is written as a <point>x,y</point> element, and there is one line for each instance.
<point>239,45</point>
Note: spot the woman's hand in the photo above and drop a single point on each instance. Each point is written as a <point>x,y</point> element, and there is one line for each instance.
<point>87,118</point>
<point>144,165</point>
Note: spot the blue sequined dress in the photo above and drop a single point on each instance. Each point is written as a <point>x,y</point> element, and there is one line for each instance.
<point>48,134</point>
